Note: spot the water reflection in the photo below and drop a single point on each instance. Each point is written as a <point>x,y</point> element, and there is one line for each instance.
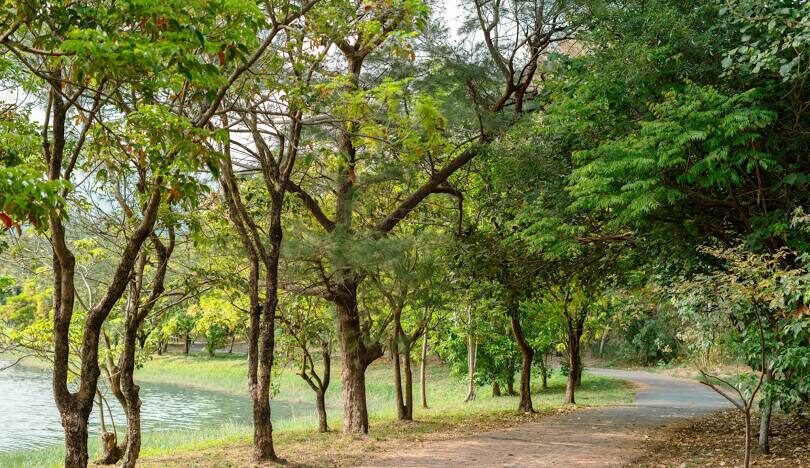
<point>29,419</point>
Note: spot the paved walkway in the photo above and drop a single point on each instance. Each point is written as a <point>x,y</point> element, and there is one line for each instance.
<point>608,436</point>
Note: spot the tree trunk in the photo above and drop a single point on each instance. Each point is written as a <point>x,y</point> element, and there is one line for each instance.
<point>510,383</point>
<point>142,339</point>
<point>320,406</point>
<point>398,397</point>
<point>75,426</point>
<point>602,343</point>
<point>527,354</point>
<point>186,344</point>
<point>573,364</point>
<point>112,453</point>
<point>109,440</point>
<point>747,456</point>
<point>496,389</point>
<point>574,330</point>
<point>263,448</point>
<point>472,352</point>
<point>133,439</point>
<point>356,358</point>
<point>766,407</point>
<point>130,392</point>
<point>408,384</point>
<point>422,370</point>
<point>233,339</point>
<point>543,371</point>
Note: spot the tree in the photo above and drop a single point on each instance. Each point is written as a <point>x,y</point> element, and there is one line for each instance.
<point>374,127</point>
<point>275,128</point>
<point>406,281</point>
<point>82,88</point>
<point>216,319</point>
<point>308,328</point>
<point>748,304</point>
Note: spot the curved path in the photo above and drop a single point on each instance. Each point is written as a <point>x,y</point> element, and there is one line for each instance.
<point>606,436</point>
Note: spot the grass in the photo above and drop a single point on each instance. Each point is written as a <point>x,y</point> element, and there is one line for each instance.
<point>447,414</point>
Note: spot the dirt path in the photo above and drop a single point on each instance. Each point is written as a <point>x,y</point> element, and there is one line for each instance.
<point>609,436</point>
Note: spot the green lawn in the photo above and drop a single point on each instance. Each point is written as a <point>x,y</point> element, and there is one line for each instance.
<point>227,374</point>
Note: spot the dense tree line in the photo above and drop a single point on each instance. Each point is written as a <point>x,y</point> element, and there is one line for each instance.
<point>333,181</point>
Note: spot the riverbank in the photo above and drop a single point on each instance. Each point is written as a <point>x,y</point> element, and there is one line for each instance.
<point>297,439</point>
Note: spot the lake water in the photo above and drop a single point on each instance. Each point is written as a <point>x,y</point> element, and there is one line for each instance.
<point>29,419</point>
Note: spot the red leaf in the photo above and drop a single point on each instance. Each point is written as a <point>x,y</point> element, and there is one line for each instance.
<point>7,221</point>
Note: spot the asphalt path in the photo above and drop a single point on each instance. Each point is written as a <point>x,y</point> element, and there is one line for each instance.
<point>604,436</point>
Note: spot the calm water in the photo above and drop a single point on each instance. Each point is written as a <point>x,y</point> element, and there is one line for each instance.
<point>29,419</point>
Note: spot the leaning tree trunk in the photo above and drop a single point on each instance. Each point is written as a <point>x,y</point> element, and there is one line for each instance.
<point>422,370</point>
<point>527,354</point>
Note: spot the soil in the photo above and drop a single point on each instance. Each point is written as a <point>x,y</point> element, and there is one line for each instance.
<point>717,440</point>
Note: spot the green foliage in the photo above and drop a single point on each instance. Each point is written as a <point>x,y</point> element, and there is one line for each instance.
<point>751,301</point>
<point>774,38</point>
<point>216,319</point>
<point>31,302</point>
<point>699,141</point>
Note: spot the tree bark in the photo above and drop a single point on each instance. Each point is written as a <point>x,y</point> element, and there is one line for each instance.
<point>747,457</point>
<point>765,419</point>
<point>320,406</point>
<point>496,389</point>
<point>75,427</point>
<point>408,384</point>
<point>136,312</point>
<point>543,371</point>
<point>510,382</point>
<point>398,397</point>
<point>472,351</point>
<point>132,400</point>
<point>186,344</point>
<point>356,359</point>
<point>574,329</point>
<point>602,343</point>
<point>527,354</point>
<point>423,372</point>
<point>573,371</point>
